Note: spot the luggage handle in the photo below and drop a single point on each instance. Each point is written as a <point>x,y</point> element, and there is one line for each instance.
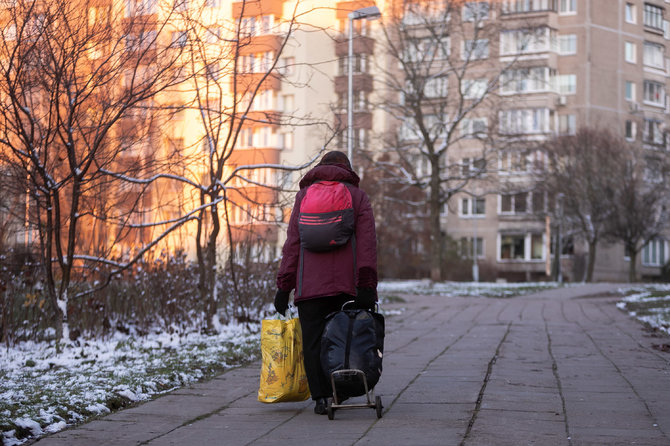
<point>376,309</point>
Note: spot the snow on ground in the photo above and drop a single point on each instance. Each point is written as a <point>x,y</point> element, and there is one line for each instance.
<point>649,304</point>
<point>43,390</point>
<point>486,289</point>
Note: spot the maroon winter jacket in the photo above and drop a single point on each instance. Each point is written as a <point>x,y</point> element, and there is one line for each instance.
<point>331,273</point>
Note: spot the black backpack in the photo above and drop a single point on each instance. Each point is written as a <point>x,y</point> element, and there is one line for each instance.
<point>353,339</point>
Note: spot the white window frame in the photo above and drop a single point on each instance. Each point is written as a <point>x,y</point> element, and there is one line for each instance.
<point>476,11</point>
<point>567,44</point>
<point>652,16</point>
<point>468,205</point>
<point>437,87</point>
<point>477,49</point>
<point>566,84</point>
<point>653,55</point>
<point>465,249</point>
<point>630,13</point>
<point>632,126</point>
<point>655,252</point>
<point>524,121</point>
<point>629,91</point>
<point>630,52</point>
<point>567,124</point>
<point>527,247</point>
<point>474,88</point>
<point>526,80</point>
<point>474,127</point>
<point>567,7</point>
<point>653,93</point>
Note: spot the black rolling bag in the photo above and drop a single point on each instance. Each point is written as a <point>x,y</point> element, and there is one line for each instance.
<point>353,340</point>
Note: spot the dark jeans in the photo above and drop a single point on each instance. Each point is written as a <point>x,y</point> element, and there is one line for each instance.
<point>312,315</point>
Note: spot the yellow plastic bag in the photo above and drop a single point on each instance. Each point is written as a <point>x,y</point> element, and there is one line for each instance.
<point>283,371</point>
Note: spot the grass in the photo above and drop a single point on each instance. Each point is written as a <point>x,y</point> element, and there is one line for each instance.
<point>43,391</point>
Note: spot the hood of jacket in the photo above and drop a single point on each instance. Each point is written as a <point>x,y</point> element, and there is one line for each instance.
<point>330,172</point>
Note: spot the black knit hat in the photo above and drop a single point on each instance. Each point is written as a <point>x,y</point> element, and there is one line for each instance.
<point>335,157</point>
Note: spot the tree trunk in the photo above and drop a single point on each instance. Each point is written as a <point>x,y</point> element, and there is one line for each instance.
<point>436,244</point>
<point>632,271</point>
<point>592,260</point>
<point>210,271</point>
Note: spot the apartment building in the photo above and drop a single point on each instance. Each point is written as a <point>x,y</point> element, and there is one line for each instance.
<point>597,63</point>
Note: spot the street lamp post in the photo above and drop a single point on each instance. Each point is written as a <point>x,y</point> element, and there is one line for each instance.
<point>369,13</point>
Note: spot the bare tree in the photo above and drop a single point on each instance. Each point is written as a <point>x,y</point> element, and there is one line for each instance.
<point>440,85</point>
<point>71,72</point>
<point>640,199</point>
<point>231,73</point>
<point>578,173</point>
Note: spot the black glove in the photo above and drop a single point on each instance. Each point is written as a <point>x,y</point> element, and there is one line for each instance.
<point>281,301</point>
<point>365,298</point>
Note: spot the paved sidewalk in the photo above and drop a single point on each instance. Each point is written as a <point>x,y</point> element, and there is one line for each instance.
<point>553,368</point>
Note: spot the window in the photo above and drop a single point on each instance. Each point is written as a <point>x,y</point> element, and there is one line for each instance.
<point>474,127</point>
<point>567,6</point>
<point>475,49</point>
<point>536,246</point>
<point>654,93</point>
<point>246,138</point>
<point>653,55</point>
<point>248,26</point>
<point>475,11</point>
<point>436,87</point>
<point>514,203</point>
<point>653,16</point>
<point>653,253</point>
<point>287,140</point>
<point>141,42</point>
<point>520,161</point>
<point>140,7</point>
<point>567,124</point>
<point>287,66</point>
<point>513,247</point>
<point>524,41</point>
<point>474,88</point>
<point>472,206</point>
<point>524,121</point>
<point>567,44</point>
<point>631,13</point>
<point>526,80</point>
<point>567,83</point>
<point>212,3</point>
<point>473,167</point>
<point>359,64</point>
<point>653,132</point>
<point>630,91</point>
<point>629,52</point>
<point>266,24</point>
<point>516,6</point>
<point>467,247</point>
<point>630,130</point>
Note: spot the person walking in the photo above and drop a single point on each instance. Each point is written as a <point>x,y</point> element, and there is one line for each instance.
<point>324,280</point>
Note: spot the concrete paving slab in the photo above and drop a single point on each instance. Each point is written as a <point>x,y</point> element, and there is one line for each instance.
<point>551,368</point>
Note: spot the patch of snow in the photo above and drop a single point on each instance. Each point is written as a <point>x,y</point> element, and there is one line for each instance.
<point>32,425</point>
<point>56,427</point>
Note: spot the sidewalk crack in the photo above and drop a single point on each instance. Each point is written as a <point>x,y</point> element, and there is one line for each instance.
<point>487,377</point>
